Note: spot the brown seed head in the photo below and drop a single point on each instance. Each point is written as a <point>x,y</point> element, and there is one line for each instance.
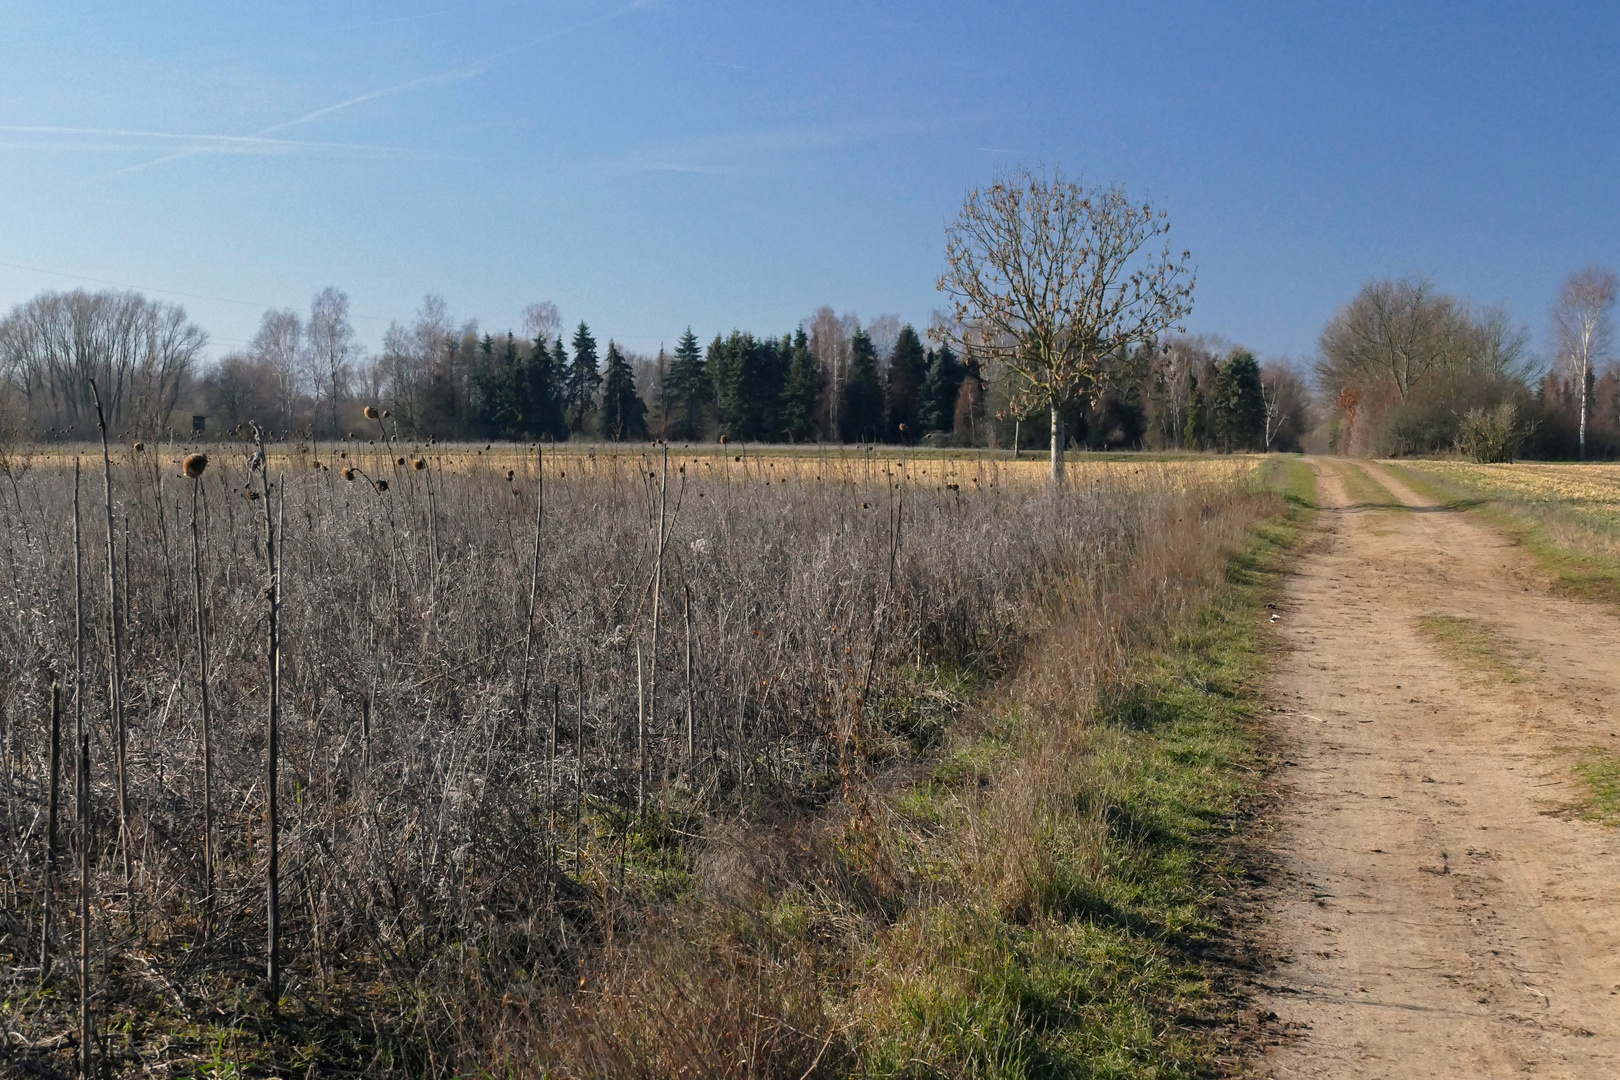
<point>348,474</point>
<point>399,461</point>
<point>382,485</point>
<point>511,474</point>
<point>139,447</point>
<point>371,412</point>
<point>194,465</point>
<point>418,464</point>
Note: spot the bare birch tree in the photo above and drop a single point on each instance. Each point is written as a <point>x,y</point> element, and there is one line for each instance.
<point>331,347</point>
<point>1583,330</point>
<point>1051,277</point>
<point>542,321</point>
<point>276,347</point>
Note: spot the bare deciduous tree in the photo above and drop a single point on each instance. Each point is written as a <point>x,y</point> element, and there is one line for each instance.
<point>1287,404</point>
<point>830,341</point>
<point>1583,331</point>
<point>276,347</point>
<point>542,321</point>
<point>1401,332</point>
<point>140,351</point>
<point>331,347</point>
<point>1051,277</point>
<point>409,354</point>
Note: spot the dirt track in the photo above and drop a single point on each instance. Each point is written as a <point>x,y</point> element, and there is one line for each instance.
<point>1442,911</point>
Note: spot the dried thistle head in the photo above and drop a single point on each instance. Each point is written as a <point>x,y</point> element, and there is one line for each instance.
<point>194,465</point>
<point>371,412</point>
<point>511,474</point>
<point>348,474</point>
<point>382,485</point>
<point>386,414</point>
<point>316,465</point>
<point>139,446</point>
<point>399,461</point>
<point>418,464</point>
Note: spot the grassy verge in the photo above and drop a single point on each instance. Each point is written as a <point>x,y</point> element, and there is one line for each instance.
<point>1097,960</point>
<point>1571,549</point>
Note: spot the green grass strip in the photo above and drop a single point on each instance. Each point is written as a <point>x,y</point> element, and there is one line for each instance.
<point>1114,978</point>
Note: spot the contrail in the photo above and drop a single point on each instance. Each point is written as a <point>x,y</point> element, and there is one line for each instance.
<point>223,140</point>
<point>455,74</point>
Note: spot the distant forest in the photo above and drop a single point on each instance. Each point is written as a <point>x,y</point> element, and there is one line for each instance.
<point>832,379</point>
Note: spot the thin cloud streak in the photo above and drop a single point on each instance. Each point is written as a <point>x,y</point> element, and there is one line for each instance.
<point>453,75</point>
<point>246,142</point>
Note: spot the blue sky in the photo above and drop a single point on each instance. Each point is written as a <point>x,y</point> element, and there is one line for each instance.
<point>653,164</point>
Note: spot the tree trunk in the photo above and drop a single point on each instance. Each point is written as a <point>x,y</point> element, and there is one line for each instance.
<point>1057,446</point>
<point>1586,382</point>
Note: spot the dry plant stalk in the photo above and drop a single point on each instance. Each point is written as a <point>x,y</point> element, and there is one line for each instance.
<point>115,634</point>
<point>193,467</point>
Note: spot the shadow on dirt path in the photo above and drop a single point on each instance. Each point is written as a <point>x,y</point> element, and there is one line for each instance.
<point>1442,910</point>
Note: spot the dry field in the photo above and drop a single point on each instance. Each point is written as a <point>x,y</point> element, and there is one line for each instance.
<point>1590,487</point>
<point>530,706</point>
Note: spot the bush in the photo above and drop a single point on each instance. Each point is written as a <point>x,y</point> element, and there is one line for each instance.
<point>1492,435</point>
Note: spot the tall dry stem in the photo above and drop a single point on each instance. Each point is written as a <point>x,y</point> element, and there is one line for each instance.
<point>115,633</point>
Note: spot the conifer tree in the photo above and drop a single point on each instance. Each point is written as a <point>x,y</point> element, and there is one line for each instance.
<point>686,391</point>
<point>542,407</point>
<point>583,380</point>
<point>1237,405</point>
<point>624,414</point>
<point>908,368</point>
<point>800,392</point>
<point>860,413</point>
<point>940,387</point>
<point>748,376</point>
<point>488,391</point>
<point>1197,433</point>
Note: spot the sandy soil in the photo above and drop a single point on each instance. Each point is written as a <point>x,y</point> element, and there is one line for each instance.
<point>1442,911</point>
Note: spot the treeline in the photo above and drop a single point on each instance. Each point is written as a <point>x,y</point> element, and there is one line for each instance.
<point>1192,393</point>
<point>1409,370</point>
<point>832,379</point>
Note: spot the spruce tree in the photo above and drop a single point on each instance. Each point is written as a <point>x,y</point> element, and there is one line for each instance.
<point>908,369</point>
<point>1237,404</point>
<point>542,408</point>
<point>748,376</point>
<point>800,392</point>
<point>686,391</point>
<point>507,418</point>
<point>940,387</point>
<point>579,393</point>
<point>624,414</point>
<point>1197,431</point>
<point>860,413</point>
